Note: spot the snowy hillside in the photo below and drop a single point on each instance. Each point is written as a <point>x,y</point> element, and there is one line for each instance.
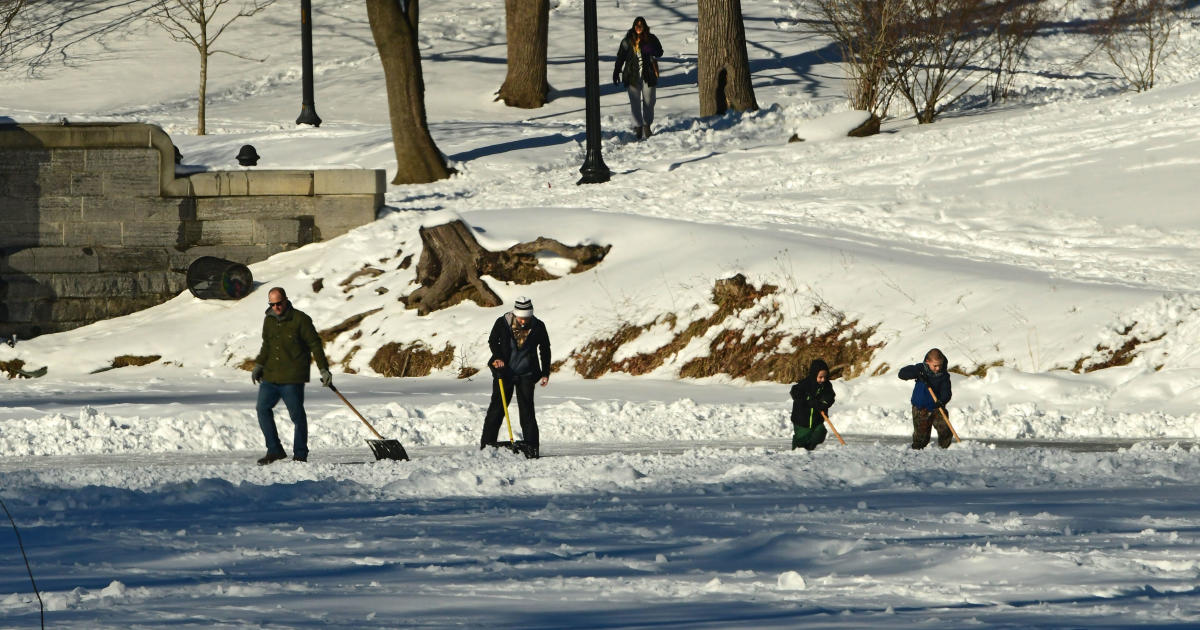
<point>1032,241</point>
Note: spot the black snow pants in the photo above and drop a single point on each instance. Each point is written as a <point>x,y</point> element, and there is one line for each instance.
<point>495,414</point>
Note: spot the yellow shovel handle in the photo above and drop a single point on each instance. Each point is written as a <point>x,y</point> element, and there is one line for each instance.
<point>504,401</point>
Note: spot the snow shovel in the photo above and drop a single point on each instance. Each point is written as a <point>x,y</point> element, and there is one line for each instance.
<point>835,433</point>
<point>511,444</point>
<point>383,448</point>
<point>944,416</point>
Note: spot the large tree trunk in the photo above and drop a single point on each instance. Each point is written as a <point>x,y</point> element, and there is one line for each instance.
<point>526,27</point>
<point>724,67</point>
<point>394,27</point>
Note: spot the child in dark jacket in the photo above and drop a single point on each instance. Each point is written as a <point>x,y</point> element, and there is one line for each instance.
<point>927,412</point>
<point>811,397</point>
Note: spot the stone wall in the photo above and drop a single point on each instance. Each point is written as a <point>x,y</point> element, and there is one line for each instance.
<point>94,222</point>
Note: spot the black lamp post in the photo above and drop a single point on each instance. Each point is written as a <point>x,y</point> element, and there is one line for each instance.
<point>308,111</point>
<point>594,170</point>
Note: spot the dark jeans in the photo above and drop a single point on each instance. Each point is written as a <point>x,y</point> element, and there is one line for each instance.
<point>495,414</point>
<point>924,420</point>
<point>293,398</point>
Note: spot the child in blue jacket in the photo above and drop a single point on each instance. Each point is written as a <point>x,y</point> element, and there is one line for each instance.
<point>811,397</point>
<point>926,411</point>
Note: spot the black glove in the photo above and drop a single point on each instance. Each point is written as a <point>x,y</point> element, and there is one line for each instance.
<point>616,76</point>
<point>256,374</point>
<point>326,379</point>
<point>924,376</point>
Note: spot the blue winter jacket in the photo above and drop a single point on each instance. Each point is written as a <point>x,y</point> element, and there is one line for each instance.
<point>926,379</point>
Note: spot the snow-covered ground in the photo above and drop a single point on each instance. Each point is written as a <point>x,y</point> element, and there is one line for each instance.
<point>1031,236</point>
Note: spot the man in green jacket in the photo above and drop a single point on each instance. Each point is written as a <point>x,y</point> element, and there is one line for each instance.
<point>289,344</point>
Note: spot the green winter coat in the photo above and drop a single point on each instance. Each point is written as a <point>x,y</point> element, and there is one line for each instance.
<point>289,344</point>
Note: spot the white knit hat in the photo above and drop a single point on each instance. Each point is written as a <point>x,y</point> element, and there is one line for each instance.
<point>523,307</point>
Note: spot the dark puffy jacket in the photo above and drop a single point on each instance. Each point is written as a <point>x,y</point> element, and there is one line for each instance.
<point>810,398</point>
<point>289,344</point>
<point>532,358</point>
<point>627,62</point>
<point>927,378</point>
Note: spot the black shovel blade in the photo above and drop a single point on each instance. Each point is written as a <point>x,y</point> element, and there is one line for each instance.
<point>520,446</point>
<point>388,449</point>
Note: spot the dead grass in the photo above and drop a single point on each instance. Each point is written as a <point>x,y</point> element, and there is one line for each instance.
<point>1106,357</point>
<point>467,371</point>
<point>345,362</point>
<point>596,358</point>
<point>367,270</point>
<point>12,368</point>
<point>352,322</point>
<point>779,357</point>
<point>767,355</point>
<point>731,295</point>
<point>978,371</point>
<point>415,359</point>
<point>126,360</point>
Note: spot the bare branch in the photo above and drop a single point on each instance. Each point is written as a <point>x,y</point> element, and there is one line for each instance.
<point>42,32</point>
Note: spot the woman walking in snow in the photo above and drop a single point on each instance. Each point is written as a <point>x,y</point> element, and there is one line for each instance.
<point>637,69</point>
<point>811,398</point>
<point>932,379</point>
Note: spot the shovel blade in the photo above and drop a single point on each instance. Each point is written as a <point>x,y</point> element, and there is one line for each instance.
<point>388,449</point>
<point>520,446</point>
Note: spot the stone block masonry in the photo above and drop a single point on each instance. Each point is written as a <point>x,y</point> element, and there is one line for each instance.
<point>95,223</point>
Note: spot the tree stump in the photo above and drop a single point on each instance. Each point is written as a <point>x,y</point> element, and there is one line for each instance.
<point>452,263</point>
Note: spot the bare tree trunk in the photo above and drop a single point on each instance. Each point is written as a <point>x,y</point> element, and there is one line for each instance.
<point>203,92</point>
<point>527,24</point>
<point>724,67</point>
<point>394,27</point>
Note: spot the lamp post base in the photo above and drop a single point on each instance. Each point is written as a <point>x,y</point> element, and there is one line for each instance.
<point>308,116</point>
<point>594,170</point>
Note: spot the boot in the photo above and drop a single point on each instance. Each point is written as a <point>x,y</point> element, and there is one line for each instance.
<point>637,131</point>
<point>646,131</point>
<point>271,458</point>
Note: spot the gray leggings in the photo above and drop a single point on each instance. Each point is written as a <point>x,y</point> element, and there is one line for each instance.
<point>641,103</point>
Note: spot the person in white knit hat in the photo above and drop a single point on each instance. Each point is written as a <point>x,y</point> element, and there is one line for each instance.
<point>521,358</point>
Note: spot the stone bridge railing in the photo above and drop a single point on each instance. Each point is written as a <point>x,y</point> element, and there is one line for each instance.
<point>94,222</point>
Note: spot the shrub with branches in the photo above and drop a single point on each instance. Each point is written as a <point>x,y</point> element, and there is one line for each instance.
<point>865,32</point>
<point>930,52</point>
<point>1020,20</point>
<point>942,44</point>
<point>1137,35</point>
<point>35,34</point>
